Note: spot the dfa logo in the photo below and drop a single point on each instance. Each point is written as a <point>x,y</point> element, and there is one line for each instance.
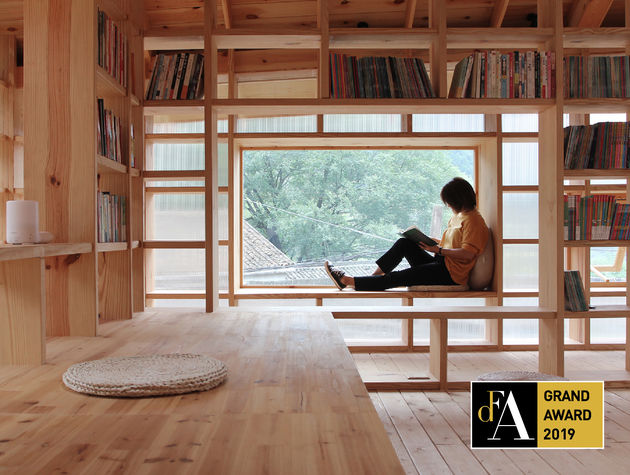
<point>503,414</point>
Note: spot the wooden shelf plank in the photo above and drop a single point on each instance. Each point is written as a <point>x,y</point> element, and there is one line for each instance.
<point>382,106</point>
<point>135,172</point>
<point>107,165</point>
<point>243,38</point>
<point>597,243</point>
<point>174,174</point>
<point>601,311</point>
<point>177,295</point>
<point>441,312</point>
<point>329,292</point>
<point>173,244</point>
<point>10,252</point>
<point>596,105</point>
<point>136,244</point>
<point>180,106</point>
<point>598,173</point>
<point>134,99</point>
<point>521,38</point>
<point>111,246</point>
<point>106,84</point>
<point>112,9</point>
<point>175,138</point>
<point>575,37</point>
<point>177,42</point>
<point>381,38</point>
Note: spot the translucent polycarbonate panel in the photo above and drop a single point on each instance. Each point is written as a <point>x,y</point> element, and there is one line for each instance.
<point>519,122</point>
<point>520,163</point>
<point>173,183</point>
<point>520,331</point>
<point>304,123</point>
<point>371,330</point>
<point>448,123</point>
<point>175,216</point>
<point>565,120</point>
<point>177,156</point>
<point>275,304</point>
<point>178,303</point>
<point>466,330</point>
<point>520,215</point>
<point>163,124</point>
<point>177,269</point>
<point>520,267</point>
<point>608,264</point>
<point>222,126</point>
<point>362,123</point>
<point>222,177</point>
<point>608,330</point>
<point>223,216</point>
<point>421,332</point>
<point>596,118</point>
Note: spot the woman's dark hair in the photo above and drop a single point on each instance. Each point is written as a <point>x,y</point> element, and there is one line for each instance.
<point>459,195</point>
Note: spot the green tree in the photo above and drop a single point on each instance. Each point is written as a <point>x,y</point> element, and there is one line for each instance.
<point>314,204</point>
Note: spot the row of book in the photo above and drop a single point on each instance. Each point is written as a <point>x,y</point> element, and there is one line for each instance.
<point>112,217</point>
<point>517,74</point>
<point>112,48</point>
<point>596,76</point>
<point>108,133</point>
<point>574,298</point>
<point>602,145</point>
<point>176,76</point>
<point>378,77</point>
<point>595,217</point>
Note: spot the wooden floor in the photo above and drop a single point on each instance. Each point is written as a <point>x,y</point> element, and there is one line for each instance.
<point>293,403</point>
<point>430,432</point>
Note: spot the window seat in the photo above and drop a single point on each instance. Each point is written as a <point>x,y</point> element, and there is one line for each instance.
<point>253,293</point>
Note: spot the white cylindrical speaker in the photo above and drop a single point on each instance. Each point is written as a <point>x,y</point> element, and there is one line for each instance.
<point>22,222</point>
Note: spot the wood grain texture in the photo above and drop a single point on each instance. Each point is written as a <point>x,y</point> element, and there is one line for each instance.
<point>7,101</point>
<point>293,403</point>
<point>22,312</point>
<point>114,286</point>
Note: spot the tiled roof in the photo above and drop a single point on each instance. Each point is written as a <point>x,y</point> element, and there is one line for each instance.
<point>259,252</point>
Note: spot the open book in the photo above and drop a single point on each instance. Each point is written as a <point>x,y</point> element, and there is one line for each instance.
<point>414,234</point>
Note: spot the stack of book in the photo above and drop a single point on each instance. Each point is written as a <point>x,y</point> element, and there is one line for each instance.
<point>603,145</point>
<point>574,298</point>
<point>112,217</point>
<point>378,77</point>
<point>108,133</point>
<point>595,217</point>
<point>517,74</point>
<point>596,76</point>
<point>112,48</point>
<point>176,76</point>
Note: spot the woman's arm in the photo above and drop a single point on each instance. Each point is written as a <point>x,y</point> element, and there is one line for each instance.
<point>459,254</point>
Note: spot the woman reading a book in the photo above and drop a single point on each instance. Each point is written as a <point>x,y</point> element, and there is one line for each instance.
<point>453,256</point>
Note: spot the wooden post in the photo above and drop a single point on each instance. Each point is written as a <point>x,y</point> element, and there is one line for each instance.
<point>211,152</point>
<point>323,78</point>
<point>59,151</point>
<point>438,345</point>
<point>7,88</point>
<point>437,20</point>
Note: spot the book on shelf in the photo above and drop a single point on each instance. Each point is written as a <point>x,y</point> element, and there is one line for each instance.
<point>414,234</point>
<point>378,77</point>
<point>176,76</point>
<point>112,48</point>
<point>574,298</point>
<point>595,217</point>
<point>596,76</point>
<point>112,217</point>
<point>602,146</point>
<point>505,75</point>
<point>108,133</point>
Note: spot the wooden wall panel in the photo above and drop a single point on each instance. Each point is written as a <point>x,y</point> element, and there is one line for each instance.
<point>22,303</point>
<point>7,101</point>
<point>114,286</point>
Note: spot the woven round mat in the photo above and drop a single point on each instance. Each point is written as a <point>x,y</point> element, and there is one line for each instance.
<point>152,375</point>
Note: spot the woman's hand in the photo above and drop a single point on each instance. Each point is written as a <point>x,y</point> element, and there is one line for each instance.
<point>433,249</point>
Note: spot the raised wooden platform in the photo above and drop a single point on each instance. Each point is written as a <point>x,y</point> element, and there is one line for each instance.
<point>293,403</point>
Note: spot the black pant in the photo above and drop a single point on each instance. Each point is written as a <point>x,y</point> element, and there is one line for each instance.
<point>425,269</point>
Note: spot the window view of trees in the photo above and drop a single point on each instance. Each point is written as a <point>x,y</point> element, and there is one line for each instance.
<point>342,205</point>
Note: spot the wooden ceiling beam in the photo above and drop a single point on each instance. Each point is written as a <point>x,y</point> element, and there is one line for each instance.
<point>498,13</point>
<point>589,13</point>
<point>410,13</point>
